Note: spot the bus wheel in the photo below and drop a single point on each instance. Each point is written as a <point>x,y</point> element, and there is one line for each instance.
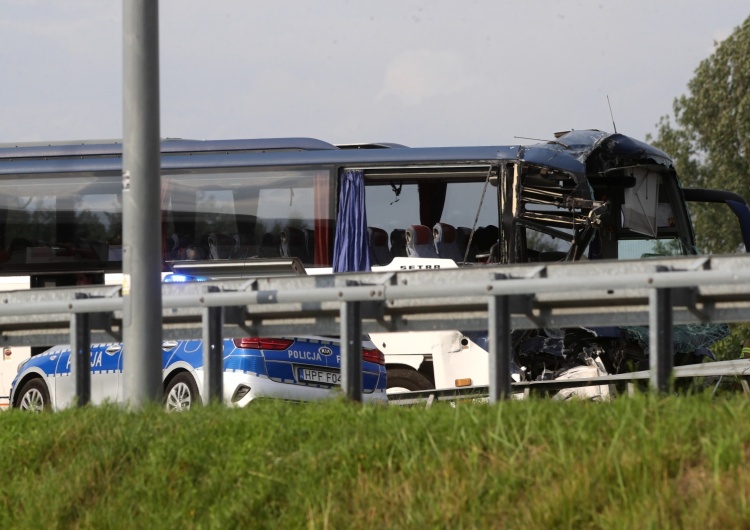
<point>34,396</point>
<point>181,393</point>
<point>405,380</point>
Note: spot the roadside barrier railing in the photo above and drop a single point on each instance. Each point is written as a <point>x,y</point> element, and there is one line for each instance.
<point>655,292</point>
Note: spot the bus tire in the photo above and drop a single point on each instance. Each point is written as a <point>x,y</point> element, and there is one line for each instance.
<point>34,396</point>
<point>181,393</point>
<point>405,380</point>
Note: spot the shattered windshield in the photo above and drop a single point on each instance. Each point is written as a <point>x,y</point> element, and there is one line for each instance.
<point>633,213</point>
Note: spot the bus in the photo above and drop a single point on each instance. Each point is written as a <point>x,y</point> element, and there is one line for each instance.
<point>583,194</point>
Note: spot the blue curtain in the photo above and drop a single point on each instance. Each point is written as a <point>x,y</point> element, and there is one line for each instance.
<point>351,247</point>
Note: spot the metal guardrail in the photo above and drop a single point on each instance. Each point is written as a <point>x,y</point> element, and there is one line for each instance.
<point>658,293</point>
<point>737,368</point>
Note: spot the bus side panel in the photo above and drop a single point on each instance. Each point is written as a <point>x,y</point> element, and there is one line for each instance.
<point>14,355</point>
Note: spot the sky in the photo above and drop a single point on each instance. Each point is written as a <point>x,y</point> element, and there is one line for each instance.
<point>415,72</point>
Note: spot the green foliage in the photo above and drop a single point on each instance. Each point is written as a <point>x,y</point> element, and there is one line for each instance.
<point>641,462</point>
<point>731,347</point>
<point>667,247</point>
<point>710,140</point>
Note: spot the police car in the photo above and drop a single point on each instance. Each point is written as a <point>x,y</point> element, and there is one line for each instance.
<point>299,369</point>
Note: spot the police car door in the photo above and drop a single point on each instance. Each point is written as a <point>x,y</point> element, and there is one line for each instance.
<point>106,371</point>
<point>106,368</point>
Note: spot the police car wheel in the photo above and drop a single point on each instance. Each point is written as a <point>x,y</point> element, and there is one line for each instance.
<point>405,380</point>
<point>181,393</point>
<point>34,396</point>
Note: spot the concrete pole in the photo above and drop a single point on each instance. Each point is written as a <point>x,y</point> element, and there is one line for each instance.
<point>141,259</point>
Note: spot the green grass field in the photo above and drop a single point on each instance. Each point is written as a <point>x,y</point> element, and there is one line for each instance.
<point>641,462</point>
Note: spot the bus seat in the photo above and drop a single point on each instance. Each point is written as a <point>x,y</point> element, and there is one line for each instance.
<point>310,242</point>
<point>173,247</point>
<point>398,243</point>
<point>293,244</point>
<point>193,252</point>
<point>269,246</point>
<point>419,243</point>
<point>446,243</point>
<point>379,252</point>
<point>462,240</point>
<point>241,249</point>
<point>221,246</point>
<point>484,238</point>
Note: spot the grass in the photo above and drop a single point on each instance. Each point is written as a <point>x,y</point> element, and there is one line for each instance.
<point>642,462</point>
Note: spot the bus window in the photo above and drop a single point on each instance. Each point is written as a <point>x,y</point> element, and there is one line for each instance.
<point>651,222</point>
<point>98,224</point>
<point>543,246</point>
<point>636,213</point>
<point>395,206</point>
<point>60,221</point>
<point>250,214</point>
<point>649,248</point>
<point>550,219</point>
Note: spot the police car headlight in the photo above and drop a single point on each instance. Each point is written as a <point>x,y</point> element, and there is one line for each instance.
<point>21,365</point>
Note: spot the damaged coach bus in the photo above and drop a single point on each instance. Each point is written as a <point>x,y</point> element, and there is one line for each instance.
<point>584,195</point>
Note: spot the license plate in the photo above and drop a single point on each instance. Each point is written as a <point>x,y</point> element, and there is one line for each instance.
<point>319,376</point>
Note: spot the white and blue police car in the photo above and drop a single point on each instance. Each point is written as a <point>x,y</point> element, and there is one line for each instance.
<point>293,368</point>
<point>299,369</point>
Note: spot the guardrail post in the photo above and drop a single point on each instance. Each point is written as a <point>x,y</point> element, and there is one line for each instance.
<point>501,348</point>
<point>213,352</point>
<point>661,344</point>
<point>80,350</point>
<point>351,350</point>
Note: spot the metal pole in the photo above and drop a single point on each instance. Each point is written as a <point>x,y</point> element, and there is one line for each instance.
<point>80,349</point>
<point>501,355</point>
<point>213,352</point>
<point>661,356</point>
<point>141,285</point>
<point>351,350</point>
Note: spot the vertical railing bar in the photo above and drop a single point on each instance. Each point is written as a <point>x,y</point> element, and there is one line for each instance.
<point>213,352</point>
<point>351,350</point>
<point>661,356</point>
<point>498,313</point>
<point>80,349</point>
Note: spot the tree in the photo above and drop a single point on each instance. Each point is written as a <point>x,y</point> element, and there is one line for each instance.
<point>710,141</point>
<point>710,145</point>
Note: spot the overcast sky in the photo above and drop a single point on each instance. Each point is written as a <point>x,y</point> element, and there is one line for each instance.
<point>417,72</point>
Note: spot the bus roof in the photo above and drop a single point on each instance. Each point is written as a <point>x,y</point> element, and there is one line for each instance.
<point>570,152</point>
<point>92,148</point>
